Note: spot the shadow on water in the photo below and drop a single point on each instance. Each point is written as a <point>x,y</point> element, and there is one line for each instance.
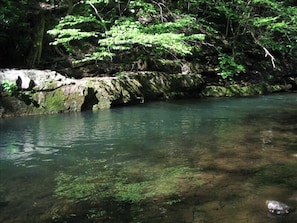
<point>208,160</point>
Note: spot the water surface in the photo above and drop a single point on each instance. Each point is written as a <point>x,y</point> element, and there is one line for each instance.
<point>205,160</point>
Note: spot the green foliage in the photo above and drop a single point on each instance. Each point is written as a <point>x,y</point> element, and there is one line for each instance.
<point>65,33</point>
<point>125,35</point>
<point>228,67</point>
<point>186,22</point>
<point>128,30</point>
<point>172,29</point>
<point>73,188</point>
<point>13,89</point>
<point>9,87</point>
<point>132,192</point>
<point>65,36</point>
<point>271,24</point>
<point>142,8</point>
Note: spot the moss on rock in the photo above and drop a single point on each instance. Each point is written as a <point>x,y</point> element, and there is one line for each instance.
<point>243,90</point>
<point>54,101</point>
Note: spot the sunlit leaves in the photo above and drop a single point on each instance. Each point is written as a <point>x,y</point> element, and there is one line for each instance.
<point>65,36</point>
<point>160,37</point>
<point>167,29</point>
<point>74,27</point>
<point>9,86</point>
<point>98,55</point>
<point>128,34</point>
<point>125,36</point>
<point>187,22</point>
<point>73,20</point>
<point>228,68</point>
<point>259,22</point>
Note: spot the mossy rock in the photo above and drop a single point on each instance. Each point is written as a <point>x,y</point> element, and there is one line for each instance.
<point>244,90</point>
<point>54,101</point>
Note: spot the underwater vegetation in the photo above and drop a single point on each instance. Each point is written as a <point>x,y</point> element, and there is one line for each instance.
<point>129,183</point>
<point>281,173</point>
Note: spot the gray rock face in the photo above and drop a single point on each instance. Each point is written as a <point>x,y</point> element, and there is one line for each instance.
<point>45,91</point>
<point>28,79</point>
<point>24,82</point>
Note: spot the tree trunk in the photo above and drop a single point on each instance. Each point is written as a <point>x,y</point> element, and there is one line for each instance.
<point>36,50</point>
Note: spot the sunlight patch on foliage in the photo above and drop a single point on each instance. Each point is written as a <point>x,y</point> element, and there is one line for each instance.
<point>67,35</point>
<point>128,34</point>
<point>103,29</point>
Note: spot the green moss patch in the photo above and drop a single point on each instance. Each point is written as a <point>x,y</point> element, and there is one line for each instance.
<point>54,101</point>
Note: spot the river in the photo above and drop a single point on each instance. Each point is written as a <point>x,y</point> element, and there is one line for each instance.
<point>201,160</point>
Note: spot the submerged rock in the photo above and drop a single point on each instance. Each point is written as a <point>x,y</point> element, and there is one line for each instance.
<point>277,207</point>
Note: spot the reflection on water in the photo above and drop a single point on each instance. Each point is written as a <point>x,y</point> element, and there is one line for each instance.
<point>207,160</point>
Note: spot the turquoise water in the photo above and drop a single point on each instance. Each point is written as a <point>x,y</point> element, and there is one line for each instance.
<point>205,160</point>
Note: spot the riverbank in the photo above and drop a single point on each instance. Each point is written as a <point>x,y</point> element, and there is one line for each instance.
<point>49,92</point>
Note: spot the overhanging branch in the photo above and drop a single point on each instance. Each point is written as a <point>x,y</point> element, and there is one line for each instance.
<point>267,53</point>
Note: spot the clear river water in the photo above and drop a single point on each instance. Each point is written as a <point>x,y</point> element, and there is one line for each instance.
<point>205,160</point>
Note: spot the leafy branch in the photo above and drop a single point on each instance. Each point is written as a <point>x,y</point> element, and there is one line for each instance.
<point>228,68</point>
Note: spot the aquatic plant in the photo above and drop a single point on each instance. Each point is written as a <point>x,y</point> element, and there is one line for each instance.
<point>123,182</point>
<point>279,174</point>
<point>100,188</point>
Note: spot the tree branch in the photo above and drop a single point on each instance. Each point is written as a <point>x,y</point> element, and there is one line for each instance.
<point>267,53</point>
<point>161,9</point>
<point>97,13</point>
